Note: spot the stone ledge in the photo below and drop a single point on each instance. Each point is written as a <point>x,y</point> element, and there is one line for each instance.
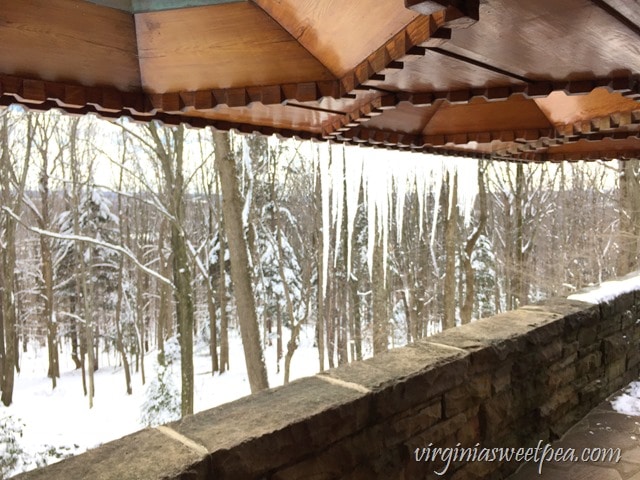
<point>144,455</point>
<point>272,428</point>
<point>482,382</point>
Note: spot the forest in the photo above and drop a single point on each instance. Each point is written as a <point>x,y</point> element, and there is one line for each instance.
<point>141,239</point>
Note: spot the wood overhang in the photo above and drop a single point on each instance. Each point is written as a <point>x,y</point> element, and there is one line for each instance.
<point>540,80</point>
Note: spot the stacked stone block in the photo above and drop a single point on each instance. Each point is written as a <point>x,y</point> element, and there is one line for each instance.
<point>512,380</point>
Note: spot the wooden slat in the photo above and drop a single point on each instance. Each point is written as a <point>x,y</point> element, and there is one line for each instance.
<point>562,109</point>
<point>404,118</point>
<point>482,116</point>
<point>341,34</point>
<point>434,72</point>
<point>344,104</point>
<point>197,121</point>
<point>277,116</point>
<point>549,40</point>
<point>627,11</point>
<point>68,41</point>
<point>223,46</point>
<point>606,148</point>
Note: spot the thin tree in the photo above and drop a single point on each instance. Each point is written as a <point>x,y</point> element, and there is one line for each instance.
<point>451,227</point>
<point>240,270</point>
<point>12,184</point>
<point>168,146</point>
<point>466,311</point>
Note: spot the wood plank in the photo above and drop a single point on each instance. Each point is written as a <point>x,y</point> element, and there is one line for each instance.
<point>277,116</point>
<point>405,118</point>
<point>341,34</point>
<point>607,147</point>
<point>629,10</point>
<point>344,105</point>
<point>69,41</point>
<point>433,72</point>
<point>563,109</point>
<point>482,116</point>
<point>549,40</point>
<point>224,46</point>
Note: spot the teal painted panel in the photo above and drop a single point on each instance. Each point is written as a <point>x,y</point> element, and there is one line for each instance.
<point>140,6</point>
<point>157,5</point>
<point>119,4</point>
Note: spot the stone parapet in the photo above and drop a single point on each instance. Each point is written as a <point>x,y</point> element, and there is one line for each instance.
<point>511,380</point>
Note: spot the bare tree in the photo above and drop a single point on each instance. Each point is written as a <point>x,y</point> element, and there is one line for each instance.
<point>169,149</point>
<point>450,244</point>
<point>466,311</point>
<point>14,166</point>
<point>240,272</point>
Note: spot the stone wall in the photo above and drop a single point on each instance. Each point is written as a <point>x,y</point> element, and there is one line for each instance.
<point>510,380</point>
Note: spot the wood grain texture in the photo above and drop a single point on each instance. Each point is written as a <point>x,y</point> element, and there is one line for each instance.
<point>341,34</point>
<point>433,72</point>
<point>223,46</point>
<point>549,40</point>
<point>404,118</point>
<point>562,109</point>
<point>344,105</point>
<point>628,9</point>
<point>68,41</point>
<point>483,116</point>
<point>196,121</point>
<point>605,149</point>
<point>278,116</point>
<point>32,92</point>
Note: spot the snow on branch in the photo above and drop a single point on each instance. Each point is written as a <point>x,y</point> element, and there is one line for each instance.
<point>80,238</point>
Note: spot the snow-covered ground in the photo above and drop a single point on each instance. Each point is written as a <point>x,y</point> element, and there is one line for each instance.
<point>628,403</point>
<point>607,291</point>
<point>62,417</point>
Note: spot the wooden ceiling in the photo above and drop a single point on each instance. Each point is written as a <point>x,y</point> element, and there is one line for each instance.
<point>541,80</point>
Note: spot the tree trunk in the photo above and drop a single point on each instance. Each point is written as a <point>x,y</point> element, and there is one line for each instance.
<point>164,311</point>
<point>628,214</point>
<point>520,289</point>
<point>222,301</point>
<point>278,336</point>
<point>11,193</point>
<point>466,312</point>
<point>211,307</point>
<point>88,317</point>
<point>119,342</point>
<point>320,325</point>
<point>380,300</point>
<point>184,313</point>
<point>240,273</point>
<point>329,321</point>
<point>141,281</point>
<point>119,296</point>
<point>9,311</point>
<point>451,231</point>
<point>169,149</point>
<point>2,329</point>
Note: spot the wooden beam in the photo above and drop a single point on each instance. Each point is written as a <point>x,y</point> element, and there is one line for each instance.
<point>69,41</point>
<point>342,34</point>
<point>233,45</point>
<point>460,12</point>
<point>167,119</point>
